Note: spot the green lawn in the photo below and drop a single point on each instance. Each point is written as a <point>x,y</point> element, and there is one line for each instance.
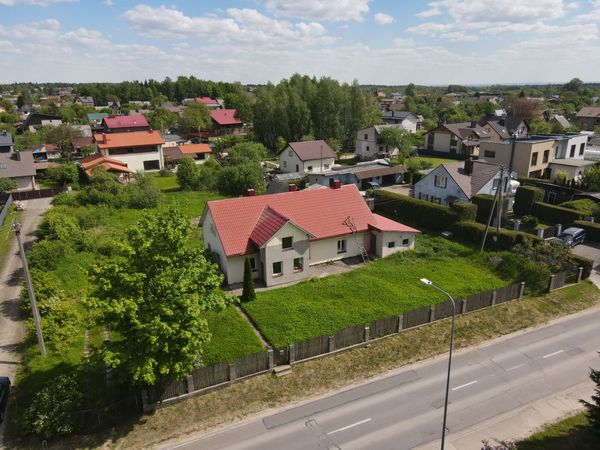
<point>6,232</point>
<point>165,183</point>
<point>572,433</point>
<point>384,288</point>
<point>45,183</point>
<point>433,160</point>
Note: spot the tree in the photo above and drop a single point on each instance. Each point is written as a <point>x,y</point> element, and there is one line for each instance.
<point>593,407</point>
<point>410,90</point>
<point>65,173</point>
<point>396,137</point>
<point>575,85</point>
<point>24,98</point>
<point>161,119</point>
<point>89,149</point>
<point>62,136</point>
<point>526,108</point>
<point>590,179</point>
<point>247,152</point>
<point>155,297</point>
<point>187,172</point>
<point>248,293</point>
<point>539,127</point>
<point>196,116</point>
<point>236,180</point>
<point>7,184</point>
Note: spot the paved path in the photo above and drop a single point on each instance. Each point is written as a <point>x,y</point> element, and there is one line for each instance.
<point>591,250</point>
<point>11,278</point>
<point>404,410</point>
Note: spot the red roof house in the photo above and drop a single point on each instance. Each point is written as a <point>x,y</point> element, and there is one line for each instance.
<point>225,122</point>
<point>91,162</point>
<point>140,150</point>
<point>120,124</point>
<point>285,234</point>
<point>210,103</point>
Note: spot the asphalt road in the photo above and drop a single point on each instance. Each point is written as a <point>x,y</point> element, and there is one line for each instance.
<point>405,410</point>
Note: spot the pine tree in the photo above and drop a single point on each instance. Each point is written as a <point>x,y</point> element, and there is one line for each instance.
<point>248,293</point>
<point>593,408</point>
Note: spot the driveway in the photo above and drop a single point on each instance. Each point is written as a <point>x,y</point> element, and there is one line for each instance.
<point>12,330</point>
<point>402,189</point>
<point>591,250</point>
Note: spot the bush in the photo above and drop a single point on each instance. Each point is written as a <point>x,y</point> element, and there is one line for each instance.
<point>46,253</point>
<point>506,240</point>
<point>7,184</point>
<point>70,199</point>
<point>585,206</point>
<point>586,263</point>
<point>592,229</point>
<point>464,210</point>
<point>484,204</point>
<point>555,214</point>
<point>248,293</point>
<point>187,174</point>
<point>58,225</point>
<point>413,211</point>
<point>525,198</point>
<point>529,221</point>
<point>142,194</point>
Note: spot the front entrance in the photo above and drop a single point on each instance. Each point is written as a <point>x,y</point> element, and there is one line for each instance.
<point>373,243</point>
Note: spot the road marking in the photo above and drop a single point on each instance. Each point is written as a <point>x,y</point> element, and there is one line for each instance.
<point>515,367</point>
<point>349,426</point>
<point>552,354</point>
<point>464,385</point>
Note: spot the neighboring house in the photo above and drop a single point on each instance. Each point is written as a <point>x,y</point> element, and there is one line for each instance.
<point>568,145</point>
<point>210,103</point>
<point>45,152</point>
<point>285,235</point>
<point>588,117</point>
<point>95,119</point>
<point>6,142</point>
<point>368,146</point>
<point>85,101</point>
<point>361,175</point>
<point>121,124</point>
<point>78,143</point>
<point>174,154</point>
<point>140,150</point>
<point>561,120</point>
<point>20,167</point>
<point>225,122</point>
<point>456,138</point>
<point>450,182</point>
<point>115,106</point>
<point>409,121</point>
<point>172,140</point>
<point>571,167</point>
<point>114,166</point>
<point>306,157</point>
<point>592,150</point>
<point>504,127</point>
<point>86,130</point>
<point>37,120</point>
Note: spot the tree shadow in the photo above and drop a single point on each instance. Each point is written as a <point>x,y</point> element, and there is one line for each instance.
<point>11,309</point>
<point>579,437</point>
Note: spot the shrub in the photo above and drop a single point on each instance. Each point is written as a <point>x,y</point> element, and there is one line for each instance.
<point>464,210</point>
<point>586,263</point>
<point>66,199</point>
<point>187,173</point>
<point>7,184</point>
<point>584,206</point>
<point>57,225</point>
<point>413,211</point>
<point>484,204</point>
<point>248,293</point>
<point>555,214</point>
<point>505,240</point>
<point>61,322</point>
<point>592,229</point>
<point>143,194</point>
<point>525,197</point>
<point>529,221</point>
<point>45,253</point>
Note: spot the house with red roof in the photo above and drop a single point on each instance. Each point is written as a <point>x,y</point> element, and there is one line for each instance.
<point>175,153</point>
<point>285,235</point>
<point>210,103</point>
<point>123,124</point>
<point>225,122</point>
<point>119,168</point>
<point>139,150</point>
<point>306,157</point>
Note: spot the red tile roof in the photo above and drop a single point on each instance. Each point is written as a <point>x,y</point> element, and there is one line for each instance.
<point>225,117</point>
<point>207,100</point>
<point>116,122</point>
<point>192,149</point>
<point>112,165</point>
<point>128,139</point>
<point>244,222</point>
<point>381,223</point>
<point>310,150</point>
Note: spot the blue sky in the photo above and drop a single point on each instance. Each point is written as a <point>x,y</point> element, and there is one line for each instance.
<point>254,41</point>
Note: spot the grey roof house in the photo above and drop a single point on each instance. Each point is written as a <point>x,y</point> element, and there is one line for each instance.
<point>6,142</point>
<point>20,167</point>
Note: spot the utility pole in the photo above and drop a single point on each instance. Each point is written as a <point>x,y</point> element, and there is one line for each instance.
<point>491,214</point>
<point>500,187</point>
<point>34,308</point>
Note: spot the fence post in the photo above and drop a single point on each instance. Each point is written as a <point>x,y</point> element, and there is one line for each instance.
<point>271,357</point>
<point>540,233</point>
<point>521,290</point>
<point>331,343</point>
<point>464,306</point>
<point>432,314</point>
<point>190,384</point>
<point>400,322</point>
<point>579,274</point>
<point>550,283</point>
<point>558,229</point>
<point>232,372</point>
<point>292,354</point>
<point>367,330</point>
<point>494,296</point>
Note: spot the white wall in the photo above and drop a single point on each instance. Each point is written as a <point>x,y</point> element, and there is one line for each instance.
<point>384,238</point>
<point>325,250</point>
<point>564,147</point>
<point>426,186</point>
<point>273,252</point>
<point>213,243</point>
<point>25,183</point>
<point>366,148</point>
<point>135,161</point>
<point>288,160</point>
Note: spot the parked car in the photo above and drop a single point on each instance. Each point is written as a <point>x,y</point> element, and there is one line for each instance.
<point>570,237</point>
<point>4,391</point>
<point>374,186</point>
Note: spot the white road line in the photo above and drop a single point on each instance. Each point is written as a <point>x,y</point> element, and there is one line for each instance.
<point>349,426</point>
<point>464,385</point>
<point>515,367</point>
<point>552,354</point>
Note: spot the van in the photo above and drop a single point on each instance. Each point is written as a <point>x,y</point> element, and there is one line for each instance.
<point>572,236</point>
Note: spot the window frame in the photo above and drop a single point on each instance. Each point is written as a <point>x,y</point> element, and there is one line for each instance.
<point>285,239</point>
<point>534,159</point>
<point>546,156</point>
<point>489,154</point>
<point>253,264</point>
<point>298,267</point>
<point>405,242</point>
<point>391,244</point>
<point>435,181</point>
<point>342,246</point>
<point>280,273</point>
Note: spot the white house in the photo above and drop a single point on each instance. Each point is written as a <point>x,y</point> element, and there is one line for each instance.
<point>368,146</point>
<point>456,138</point>
<point>139,150</point>
<point>306,157</point>
<point>407,120</point>
<point>458,181</point>
<point>284,235</point>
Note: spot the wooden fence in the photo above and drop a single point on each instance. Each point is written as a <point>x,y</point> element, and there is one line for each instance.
<point>562,279</point>
<point>220,374</point>
<point>40,193</point>
<point>5,203</point>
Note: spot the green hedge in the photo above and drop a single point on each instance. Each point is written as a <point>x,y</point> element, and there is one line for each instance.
<point>583,206</point>
<point>525,198</point>
<point>413,211</point>
<point>484,203</point>
<point>464,210</point>
<point>592,229</point>
<point>556,214</point>
<point>473,232</point>
<point>586,263</point>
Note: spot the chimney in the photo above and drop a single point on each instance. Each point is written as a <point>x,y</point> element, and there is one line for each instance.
<point>473,124</point>
<point>251,193</point>
<point>337,184</point>
<point>292,188</point>
<point>468,166</point>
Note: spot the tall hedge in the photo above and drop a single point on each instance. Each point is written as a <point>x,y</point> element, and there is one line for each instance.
<point>586,263</point>
<point>525,198</point>
<point>506,239</point>
<point>248,293</point>
<point>592,229</point>
<point>556,214</point>
<point>413,211</point>
<point>464,210</point>
<point>583,205</point>
<point>484,204</point>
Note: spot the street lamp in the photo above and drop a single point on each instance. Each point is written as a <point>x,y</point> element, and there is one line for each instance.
<point>429,283</point>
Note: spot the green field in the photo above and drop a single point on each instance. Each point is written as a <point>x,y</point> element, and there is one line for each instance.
<point>165,183</point>
<point>572,433</point>
<point>384,288</point>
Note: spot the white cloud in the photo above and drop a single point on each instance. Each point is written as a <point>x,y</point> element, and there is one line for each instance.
<point>86,37</point>
<point>334,10</point>
<point>34,2</point>
<point>495,11</point>
<point>108,2</point>
<point>400,42</point>
<point>459,36</point>
<point>383,19</point>
<point>430,12</point>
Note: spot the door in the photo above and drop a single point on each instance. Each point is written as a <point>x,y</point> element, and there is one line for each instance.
<point>373,244</point>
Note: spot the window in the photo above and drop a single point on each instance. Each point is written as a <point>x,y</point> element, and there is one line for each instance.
<point>366,136</point>
<point>440,181</point>
<point>572,154</point>
<point>489,154</point>
<point>368,148</point>
<point>151,165</point>
<point>341,246</point>
<point>581,148</point>
<point>405,241</point>
<point>546,156</point>
<point>391,244</point>
<point>212,229</point>
<point>286,242</point>
<point>309,169</point>
<point>285,164</point>
<point>381,148</point>
<point>534,159</point>
<point>290,153</point>
<point>298,264</point>
<point>253,264</point>
<point>277,269</point>
<point>453,141</point>
<point>201,156</point>
<point>495,183</point>
<point>297,168</point>
<point>326,166</point>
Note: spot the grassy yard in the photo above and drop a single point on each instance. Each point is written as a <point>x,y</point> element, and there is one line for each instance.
<point>384,288</point>
<point>6,232</point>
<point>572,433</point>
<point>165,183</point>
<point>433,160</point>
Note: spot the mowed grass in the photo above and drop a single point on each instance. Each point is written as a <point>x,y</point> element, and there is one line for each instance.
<point>165,183</point>
<point>383,288</point>
<point>572,433</point>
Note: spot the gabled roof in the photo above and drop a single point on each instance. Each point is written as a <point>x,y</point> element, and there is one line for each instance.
<point>16,164</point>
<point>206,100</point>
<point>562,120</point>
<point>225,117</point>
<point>116,122</point>
<point>128,139</point>
<point>321,213</point>
<point>464,129</point>
<point>381,223</point>
<point>470,184</point>
<point>589,111</point>
<point>96,117</point>
<point>112,165</point>
<point>310,150</point>
<point>192,149</point>
<point>6,139</point>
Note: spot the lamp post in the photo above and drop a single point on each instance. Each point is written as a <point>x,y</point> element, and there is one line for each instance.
<point>429,283</point>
